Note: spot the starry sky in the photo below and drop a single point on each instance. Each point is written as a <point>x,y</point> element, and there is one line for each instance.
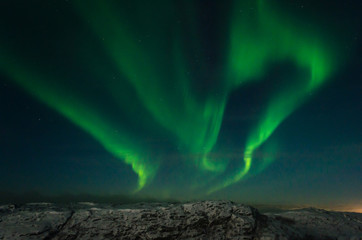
<point>254,100</point>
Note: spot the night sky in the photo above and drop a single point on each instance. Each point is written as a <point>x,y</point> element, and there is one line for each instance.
<point>256,101</point>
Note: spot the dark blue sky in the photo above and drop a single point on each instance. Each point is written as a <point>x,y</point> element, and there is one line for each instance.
<point>316,150</point>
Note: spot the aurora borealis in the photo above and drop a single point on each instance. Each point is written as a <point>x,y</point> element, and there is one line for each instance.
<point>151,86</point>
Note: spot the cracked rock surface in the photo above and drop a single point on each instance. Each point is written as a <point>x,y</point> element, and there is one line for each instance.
<point>198,220</point>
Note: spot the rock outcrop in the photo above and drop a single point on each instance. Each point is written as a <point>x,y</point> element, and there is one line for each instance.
<point>198,220</point>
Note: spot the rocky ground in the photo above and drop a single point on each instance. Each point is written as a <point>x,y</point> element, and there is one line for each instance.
<point>198,220</point>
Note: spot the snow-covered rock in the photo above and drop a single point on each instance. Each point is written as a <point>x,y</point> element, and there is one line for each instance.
<point>198,220</point>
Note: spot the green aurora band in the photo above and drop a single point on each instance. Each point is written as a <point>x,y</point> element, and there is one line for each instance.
<point>272,38</point>
<point>84,116</point>
<point>159,74</point>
